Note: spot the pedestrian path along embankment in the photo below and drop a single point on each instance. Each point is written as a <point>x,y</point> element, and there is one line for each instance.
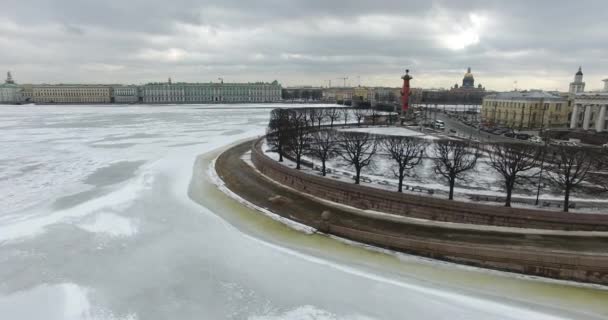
<point>548,249</point>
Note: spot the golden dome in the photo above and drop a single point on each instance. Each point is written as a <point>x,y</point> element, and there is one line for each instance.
<point>468,75</point>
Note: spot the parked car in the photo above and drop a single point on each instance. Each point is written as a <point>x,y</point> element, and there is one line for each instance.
<point>510,134</point>
<point>522,136</point>
<point>536,139</point>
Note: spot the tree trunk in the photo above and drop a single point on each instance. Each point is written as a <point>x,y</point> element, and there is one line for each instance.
<point>452,182</point>
<point>358,175</point>
<point>509,187</point>
<point>298,162</point>
<point>401,176</point>
<point>323,167</point>
<point>567,199</point>
<point>280,155</point>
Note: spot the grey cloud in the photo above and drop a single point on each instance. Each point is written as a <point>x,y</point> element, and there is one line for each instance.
<point>537,43</point>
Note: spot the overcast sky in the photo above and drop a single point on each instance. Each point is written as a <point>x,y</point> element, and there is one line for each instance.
<point>527,44</point>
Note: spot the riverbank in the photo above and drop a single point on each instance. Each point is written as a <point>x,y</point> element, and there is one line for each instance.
<point>571,256</point>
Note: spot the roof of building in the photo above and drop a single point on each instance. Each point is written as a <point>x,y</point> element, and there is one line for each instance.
<point>525,95</point>
<point>8,85</point>
<point>580,71</point>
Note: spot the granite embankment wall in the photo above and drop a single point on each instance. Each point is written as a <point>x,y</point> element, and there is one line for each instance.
<point>532,259</point>
<point>423,207</point>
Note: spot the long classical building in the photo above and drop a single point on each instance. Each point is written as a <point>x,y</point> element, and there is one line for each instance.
<point>125,94</point>
<point>71,93</point>
<point>525,109</point>
<point>170,92</point>
<point>156,93</point>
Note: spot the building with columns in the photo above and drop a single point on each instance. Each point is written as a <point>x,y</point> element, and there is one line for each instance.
<point>71,93</point>
<point>125,94</point>
<point>525,109</point>
<point>9,91</point>
<point>589,110</point>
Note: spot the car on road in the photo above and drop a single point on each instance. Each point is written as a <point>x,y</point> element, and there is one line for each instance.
<point>522,136</point>
<point>536,139</point>
<point>500,131</point>
<point>438,124</point>
<point>510,134</point>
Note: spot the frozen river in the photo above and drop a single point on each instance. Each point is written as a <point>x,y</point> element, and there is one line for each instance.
<point>110,213</point>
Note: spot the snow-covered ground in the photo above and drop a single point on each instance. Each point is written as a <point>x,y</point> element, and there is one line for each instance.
<point>391,131</point>
<point>482,181</point>
<point>100,219</point>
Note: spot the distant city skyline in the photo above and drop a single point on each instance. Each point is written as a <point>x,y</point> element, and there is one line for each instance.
<point>519,44</point>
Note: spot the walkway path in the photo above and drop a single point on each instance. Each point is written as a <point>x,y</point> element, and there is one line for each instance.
<point>244,180</point>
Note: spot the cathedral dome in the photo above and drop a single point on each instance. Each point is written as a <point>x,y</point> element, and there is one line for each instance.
<point>469,80</point>
<point>468,75</point>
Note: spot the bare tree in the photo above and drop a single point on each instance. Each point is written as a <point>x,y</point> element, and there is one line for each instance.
<point>357,149</point>
<point>277,131</point>
<point>359,114</point>
<point>319,116</point>
<point>323,147</point>
<point>333,114</point>
<point>374,114</point>
<point>453,158</point>
<point>298,137</point>
<point>345,114</point>
<point>316,115</point>
<point>511,161</point>
<point>407,152</point>
<point>570,167</point>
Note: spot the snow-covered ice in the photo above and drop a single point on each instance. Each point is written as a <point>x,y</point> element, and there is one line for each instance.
<point>100,219</point>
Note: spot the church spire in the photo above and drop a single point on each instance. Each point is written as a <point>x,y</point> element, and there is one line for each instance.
<point>9,78</point>
<point>580,71</point>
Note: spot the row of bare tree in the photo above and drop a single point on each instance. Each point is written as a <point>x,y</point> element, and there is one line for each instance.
<point>298,132</point>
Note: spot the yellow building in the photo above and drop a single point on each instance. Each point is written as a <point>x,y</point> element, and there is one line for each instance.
<point>526,110</point>
<point>77,93</point>
<point>338,94</point>
<point>363,93</point>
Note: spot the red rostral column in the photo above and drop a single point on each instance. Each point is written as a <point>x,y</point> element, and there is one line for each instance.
<point>405,92</point>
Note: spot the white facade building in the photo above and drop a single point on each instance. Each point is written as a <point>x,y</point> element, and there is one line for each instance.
<point>589,111</point>
<point>9,91</point>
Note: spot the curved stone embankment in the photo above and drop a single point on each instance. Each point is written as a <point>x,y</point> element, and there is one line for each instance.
<point>472,234</point>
